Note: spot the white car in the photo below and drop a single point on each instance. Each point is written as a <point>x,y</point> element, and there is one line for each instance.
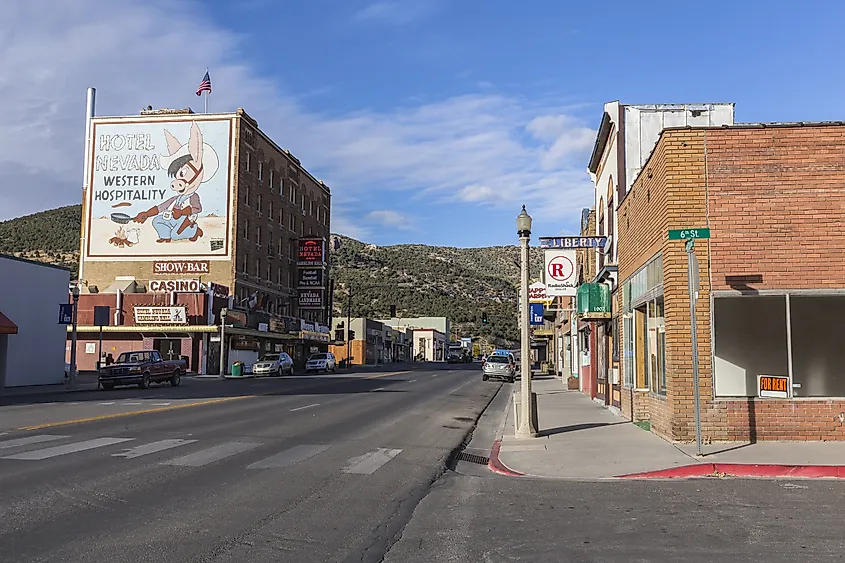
<point>324,361</point>
<point>273,364</point>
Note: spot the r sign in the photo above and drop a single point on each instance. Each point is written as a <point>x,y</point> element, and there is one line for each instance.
<point>560,273</point>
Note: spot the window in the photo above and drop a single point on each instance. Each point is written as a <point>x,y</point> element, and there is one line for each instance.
<point>628,349</point>
<point>601,231</point>
<point>258,267</point>
<point>302,228</point>
<point>270,243</point>
<point>292,222</point>
<point>656,346</point>
<point>279,275</point>
<point>272,180</point>
<point>260,170</point>
<point>610,241</point>
<point>246,229</point>
<point>246,196</point>
<point>248,161</point>
<point>281,217</point>
<point>310,207</point>
<point>270,209</point>
<point>291,278</point>
<point>281,188</point>
<point>293,194</point>
<point>302,201</point>
<point>269,272</point>
<point>245,264</point>
<point>258,203</point>
<point>258,235</point>
<point>292,247</point>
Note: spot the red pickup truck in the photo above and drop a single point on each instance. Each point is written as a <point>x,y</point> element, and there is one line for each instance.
<point>142,368</point>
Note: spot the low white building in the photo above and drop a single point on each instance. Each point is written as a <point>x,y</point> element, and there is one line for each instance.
<point>32,342</point>
<point>430,345</point>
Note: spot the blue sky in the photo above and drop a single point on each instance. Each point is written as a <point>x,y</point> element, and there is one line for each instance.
<point>433,121</point>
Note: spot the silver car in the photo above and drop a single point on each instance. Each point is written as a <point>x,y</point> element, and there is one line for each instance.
<point>273,364</point>
<point>323,361</point>
<point>499,367</point>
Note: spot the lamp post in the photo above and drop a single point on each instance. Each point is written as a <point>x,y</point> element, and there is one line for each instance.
<point>222,373</point>
<point>74,317</point>
<point>526,427</point>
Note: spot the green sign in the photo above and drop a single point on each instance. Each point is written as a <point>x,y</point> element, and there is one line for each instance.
<point>684,234</point>
<point>593,301</point>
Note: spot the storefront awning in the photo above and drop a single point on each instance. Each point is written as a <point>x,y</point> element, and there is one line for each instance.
<point>147,328</point>
<point>259,333</point>
<point>6,325</point>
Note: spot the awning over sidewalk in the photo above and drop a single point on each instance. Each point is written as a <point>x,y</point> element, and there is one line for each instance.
<point>6,325</point>
<point>147,328</point>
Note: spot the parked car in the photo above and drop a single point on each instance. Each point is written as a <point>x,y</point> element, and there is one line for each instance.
<point>141,369</point>
<point>499,367</point>
<point>273,364</point>
<point>324,361</point>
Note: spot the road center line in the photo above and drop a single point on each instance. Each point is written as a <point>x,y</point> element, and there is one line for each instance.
<point>379,389</point>
<point>305,407</point>
<point>460,387</point>
<point>412,381</point>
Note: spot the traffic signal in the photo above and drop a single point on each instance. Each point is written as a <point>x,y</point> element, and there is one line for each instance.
<point>484,317</point>
<point>338,335</point>
<point>351,335</point>
<point>393,311</point>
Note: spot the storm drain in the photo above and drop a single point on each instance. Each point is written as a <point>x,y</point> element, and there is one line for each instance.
<point>472,458</point>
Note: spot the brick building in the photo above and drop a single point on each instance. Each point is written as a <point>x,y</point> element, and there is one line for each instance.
<point>770,301</point>
<point>198,212</point>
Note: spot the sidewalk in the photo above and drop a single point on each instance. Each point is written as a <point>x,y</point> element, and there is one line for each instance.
<point>580,439</point>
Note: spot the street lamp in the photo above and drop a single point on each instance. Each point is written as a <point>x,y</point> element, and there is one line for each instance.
<point>526,426</point>
<point>74,290</point>
<point>222,374</point>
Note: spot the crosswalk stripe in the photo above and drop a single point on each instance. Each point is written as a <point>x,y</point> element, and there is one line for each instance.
<point>289,457</point>
<point>370,462</point>
<point>152,448</point>
<point>45,453</point>
<point>211,455</point>
<point>29,440</point>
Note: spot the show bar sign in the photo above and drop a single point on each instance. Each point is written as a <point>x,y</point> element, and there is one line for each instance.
<point>181,286</point>
<point>573,242</point>
<point>180,267</point>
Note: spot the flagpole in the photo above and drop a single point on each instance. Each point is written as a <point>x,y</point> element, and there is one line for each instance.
<point>206,101</point>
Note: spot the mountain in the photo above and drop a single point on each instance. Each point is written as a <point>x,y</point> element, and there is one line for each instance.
<point>420,280</point>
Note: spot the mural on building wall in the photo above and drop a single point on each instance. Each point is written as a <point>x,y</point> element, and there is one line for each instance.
<point>159,188</point>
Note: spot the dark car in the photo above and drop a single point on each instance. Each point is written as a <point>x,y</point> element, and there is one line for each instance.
<point>499,367</point>
<point>142,368</point>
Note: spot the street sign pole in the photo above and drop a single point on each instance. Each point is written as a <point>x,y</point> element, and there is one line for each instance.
<point>692,275</point>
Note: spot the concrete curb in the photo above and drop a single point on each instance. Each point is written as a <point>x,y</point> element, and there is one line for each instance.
<point>495,464</point>
<point>742,470</point>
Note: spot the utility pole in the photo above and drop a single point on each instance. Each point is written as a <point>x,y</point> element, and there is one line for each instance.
<point>74,321</point>
<point>222,373</point>
<point>349,329</point>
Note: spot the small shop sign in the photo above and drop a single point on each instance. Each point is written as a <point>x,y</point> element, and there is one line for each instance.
<point>593,301</point>
<point>776,386</point>
<point>160,315</point>
<point>181,286</point>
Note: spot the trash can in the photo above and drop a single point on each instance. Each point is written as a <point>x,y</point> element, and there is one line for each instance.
<point>237,369</point>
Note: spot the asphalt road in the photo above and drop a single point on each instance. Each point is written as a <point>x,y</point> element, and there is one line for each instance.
<point>318,469</point>
<point>354,469</point>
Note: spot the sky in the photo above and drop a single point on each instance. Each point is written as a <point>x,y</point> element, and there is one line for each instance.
<point>433,121</point>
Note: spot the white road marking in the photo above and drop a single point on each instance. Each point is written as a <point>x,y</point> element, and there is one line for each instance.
<point>434,375</point>
<point>67,449</point>
<point>152,448</point>
<point>161,404</point>
<point>106,404</point>
<point>460,387</point>
<point>367,464</point>
<point>29,440</point>
<point>379,389</point>
<point>211,455</point>
<point>289,457</point>
<point>131,404</point>
<point>413,381</point>
<point>305,407</point>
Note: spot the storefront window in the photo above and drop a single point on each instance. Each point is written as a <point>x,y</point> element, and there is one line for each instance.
<point>656,346</point>
<point>628,349</point>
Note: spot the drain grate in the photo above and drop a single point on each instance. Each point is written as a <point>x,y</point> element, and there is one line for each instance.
<point>472,458</point>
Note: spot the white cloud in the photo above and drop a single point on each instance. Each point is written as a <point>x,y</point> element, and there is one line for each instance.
<point>488,149</point>
<point>396,12</point>
<point>389,218</point>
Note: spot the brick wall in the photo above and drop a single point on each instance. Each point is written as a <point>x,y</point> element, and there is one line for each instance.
<point>762,191</point>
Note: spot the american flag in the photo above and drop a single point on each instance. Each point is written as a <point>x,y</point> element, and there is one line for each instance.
<point>205,85</point>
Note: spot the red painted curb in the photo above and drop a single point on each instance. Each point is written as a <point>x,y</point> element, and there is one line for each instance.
<point>742,470</point>
<point>495,464</point>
